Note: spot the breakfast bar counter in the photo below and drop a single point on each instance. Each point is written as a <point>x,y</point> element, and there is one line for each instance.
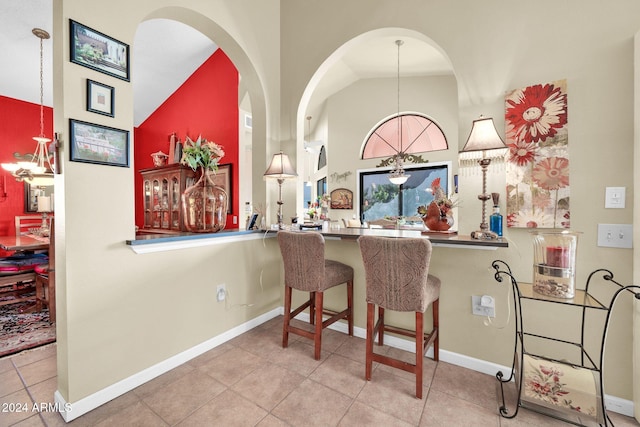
<point>163,242</point>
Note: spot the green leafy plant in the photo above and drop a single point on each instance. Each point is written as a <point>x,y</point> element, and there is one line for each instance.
<point>201,154</point>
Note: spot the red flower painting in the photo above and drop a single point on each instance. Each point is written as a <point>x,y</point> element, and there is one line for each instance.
<point>538,160</point>
<point>536,113</point>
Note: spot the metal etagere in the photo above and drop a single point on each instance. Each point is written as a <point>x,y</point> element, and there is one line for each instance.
<point>529,365</point>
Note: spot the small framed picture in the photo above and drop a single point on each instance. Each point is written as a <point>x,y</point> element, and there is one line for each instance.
<point>100,98</point>
<point>103,145</point>
<point>98,51</point>
<point>341,198</point>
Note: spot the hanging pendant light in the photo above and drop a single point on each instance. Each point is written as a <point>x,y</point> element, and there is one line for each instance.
<point>37,170</point>
<point>397,175</point>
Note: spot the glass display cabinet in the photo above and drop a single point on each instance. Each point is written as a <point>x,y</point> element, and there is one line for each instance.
<point>162,188</point>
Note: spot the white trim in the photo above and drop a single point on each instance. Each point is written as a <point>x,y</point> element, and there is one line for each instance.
<point>74,410</point>
<point>71,411</point>
<point>148,248</point>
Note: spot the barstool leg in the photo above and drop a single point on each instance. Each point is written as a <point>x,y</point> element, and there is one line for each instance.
<point>317,336</point>
<point>369,342</point>
<point>287,316</point>
<point>381,328</point>
<point>419,352</point>
<point>350,306</point>
<point>435,307</point>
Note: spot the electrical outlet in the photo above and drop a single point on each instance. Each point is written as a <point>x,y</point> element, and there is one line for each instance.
<point>484,305</point>
<point>221,292</point>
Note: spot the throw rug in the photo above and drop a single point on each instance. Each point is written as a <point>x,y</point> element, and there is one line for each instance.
<point>21,331</point>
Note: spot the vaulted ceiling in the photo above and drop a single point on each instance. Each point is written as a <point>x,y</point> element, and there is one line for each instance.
<point>160,63</point>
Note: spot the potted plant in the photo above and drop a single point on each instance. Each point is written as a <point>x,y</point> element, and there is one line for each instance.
<point>204,204</point>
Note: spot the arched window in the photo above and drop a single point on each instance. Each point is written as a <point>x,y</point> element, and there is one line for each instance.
<point>322,158</point>
<point>418,134</point>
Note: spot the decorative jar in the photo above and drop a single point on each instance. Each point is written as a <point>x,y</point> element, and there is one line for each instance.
<point>204,206</point>
<point>554,262</point>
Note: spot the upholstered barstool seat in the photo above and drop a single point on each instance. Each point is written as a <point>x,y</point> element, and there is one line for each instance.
<point>307,270</point>
<point>397,278</point>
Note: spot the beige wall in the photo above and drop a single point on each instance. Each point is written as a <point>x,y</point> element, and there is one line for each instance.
<point>127,312</point>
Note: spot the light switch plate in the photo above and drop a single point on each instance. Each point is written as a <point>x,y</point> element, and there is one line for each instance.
<point>615,235</point>
<point>615,197</point>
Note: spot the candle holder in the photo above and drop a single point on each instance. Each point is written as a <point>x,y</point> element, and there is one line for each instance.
<point>554,265</point>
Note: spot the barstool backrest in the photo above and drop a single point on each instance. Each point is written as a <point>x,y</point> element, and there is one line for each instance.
<point>397,272</point>
<point>303,256</point>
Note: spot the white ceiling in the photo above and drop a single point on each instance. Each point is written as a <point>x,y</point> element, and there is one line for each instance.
<point>160,63</point>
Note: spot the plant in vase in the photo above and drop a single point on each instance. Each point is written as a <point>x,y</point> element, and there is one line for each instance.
<point>204,204</point>
<point>438,215</point>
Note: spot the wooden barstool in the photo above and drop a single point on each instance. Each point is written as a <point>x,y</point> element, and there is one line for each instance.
<point>307,270</point>
<point>397,278</point>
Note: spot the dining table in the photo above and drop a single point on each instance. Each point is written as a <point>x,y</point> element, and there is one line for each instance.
<point>24,243</point>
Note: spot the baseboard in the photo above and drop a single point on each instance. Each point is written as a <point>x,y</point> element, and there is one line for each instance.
<point>71,411</point>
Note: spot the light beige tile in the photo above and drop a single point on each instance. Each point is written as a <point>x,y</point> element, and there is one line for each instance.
<point>271,421</point>
<point>138,415</point>
<point>228,409</point>
<point>35,354</point>
<point>42,393</point>
<point>205,358</point>
<point>10,382</point>
<point>355,349</point>
<point>260,343</point>
<point>32,421</point>
<point>312,404</point>
<point>163,380</point>
<point>232,366</point>
<point>39,371</point>
<point>267,386</point>
<point>363,415</point>
<point>341,374</point>
<point>394,396</point>
<point>16,406</point>
<point>446,410</point>
<point>182,397</point>
<point>6,365</point>
<point>466,384</point>
<point>105,411</point>
<point>298,357</point>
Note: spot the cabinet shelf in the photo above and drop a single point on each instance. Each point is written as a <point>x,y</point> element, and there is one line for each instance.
<point>568,385</point>
<point>162,188</point>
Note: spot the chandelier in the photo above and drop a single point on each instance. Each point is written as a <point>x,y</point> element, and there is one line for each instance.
<point>397,175</point>
<point>36,168</point>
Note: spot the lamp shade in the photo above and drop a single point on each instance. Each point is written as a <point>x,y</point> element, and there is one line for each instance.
<point>483,136</point>
<point>280,167</point>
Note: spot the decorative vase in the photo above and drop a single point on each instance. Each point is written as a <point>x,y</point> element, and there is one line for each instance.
<point>204,206</point>
<point>436,220</point>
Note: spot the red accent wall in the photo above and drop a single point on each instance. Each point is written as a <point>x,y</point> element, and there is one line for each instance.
<point>19,123</point>
<point>206,104</point>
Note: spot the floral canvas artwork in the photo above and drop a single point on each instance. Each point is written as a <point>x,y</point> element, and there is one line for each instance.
<point>537,164</point>
<point>561,387</point>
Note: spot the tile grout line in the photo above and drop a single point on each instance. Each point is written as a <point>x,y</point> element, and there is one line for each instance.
<point>26,388</point>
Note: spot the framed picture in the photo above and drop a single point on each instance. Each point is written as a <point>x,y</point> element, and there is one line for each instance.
<point>222,178</point>
<point>95,50</point>
<point>100,98</point>
<point>31,194</point>
<point>103,145</point>
<point>341,198</point>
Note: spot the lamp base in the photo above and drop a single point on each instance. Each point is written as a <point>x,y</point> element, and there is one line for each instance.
<point>484,235</point>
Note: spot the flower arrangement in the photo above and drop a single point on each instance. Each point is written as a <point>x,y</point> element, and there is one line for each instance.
<point>444,203</point>
<point>201,154</point>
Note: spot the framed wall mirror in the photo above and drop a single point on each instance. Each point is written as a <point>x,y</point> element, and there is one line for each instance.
<point>31,194</point>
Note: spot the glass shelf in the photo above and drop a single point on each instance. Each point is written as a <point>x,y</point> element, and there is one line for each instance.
<point>581,298</point>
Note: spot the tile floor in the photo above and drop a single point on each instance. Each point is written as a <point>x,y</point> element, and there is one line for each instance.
<point>252,381</point>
